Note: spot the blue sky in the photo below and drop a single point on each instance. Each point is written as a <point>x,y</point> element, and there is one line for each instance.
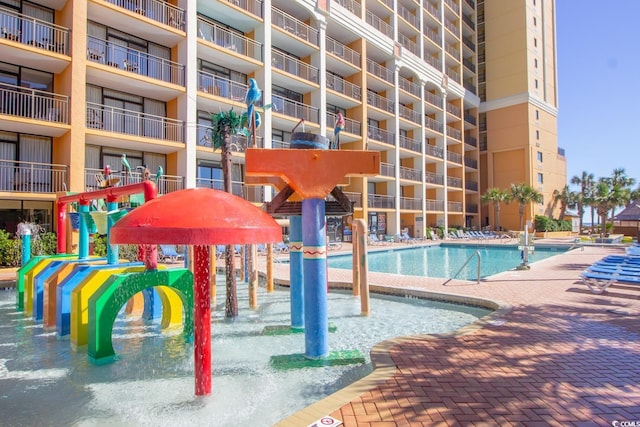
<point>599,86</point>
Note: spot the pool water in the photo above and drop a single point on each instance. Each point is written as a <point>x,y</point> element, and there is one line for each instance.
<point>445,261</point>
<point>44,382</point>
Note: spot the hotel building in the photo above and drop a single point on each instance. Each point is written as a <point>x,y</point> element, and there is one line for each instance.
<point>457,96</point>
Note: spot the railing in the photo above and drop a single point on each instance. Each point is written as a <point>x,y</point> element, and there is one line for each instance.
<point>470,118</point>
<point>471,185</point>
<point>453,6</point>
<point>33,104</point>
<point>408,16</point>
<point>387,169</point>
<point>344,87</point>
<point>381,201</point>
<point>454,157</point>
<point>432,178</point>
<point>410,174</point>
<point>452,27</point>
<point>343,52</point>
<point>470,65</point>
<point>435,100</point>
<point>452,181</point>
<point>472,208</point>
<point>218,184</point>
<point>433,10</point>
<point>561,152</point>
<point>381,135</point>
<point>280,144</point>
<point>238,142</point>
<point>469,43</point>
<point>454,133</point>
<point>453,109</point>
<point>350,125</point>
<point>435,205</point>
<point>32,31</point>
<point>476,254</point>
<point>380,71</point>
<point>351,5</point>
<point>138,62</point>
<point>408,43</point>
<point>454,206</point>
<point>379,24</point>
<point>356,198</point>
<point>410,203</point>
<point>229,40</point>
<point>471,140</point>
<point>409,143</point>
<point>294,26</point>
<point>470,87</point>
<point>469,22</point>
<point>251,6</point>
<point>453,74</point>
<point>112,119</point>
<point>432,60</point>
<point>432,150</point>
<point>409,86</point>
<point>157,10</point>
<point>452,50</point>
<point>433,124</point>
<point>294,66</point>
<point>432,34</point>
<point>472,163</point>
<point>380,102</point>
<point>471,3</point>
<point>295,109</point>
<point>221,86</point>
<point>32,177</point>
<point>166,184</point>
<point>409,114</point>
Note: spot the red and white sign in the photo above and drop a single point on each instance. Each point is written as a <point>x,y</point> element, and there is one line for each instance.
<point>326,422</point>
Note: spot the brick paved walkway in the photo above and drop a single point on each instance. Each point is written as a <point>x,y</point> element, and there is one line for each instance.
<point>561,356</point>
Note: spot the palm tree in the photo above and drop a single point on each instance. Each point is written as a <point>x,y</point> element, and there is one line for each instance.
<point>585,181</point>
<point>496,196</point>
<point>620,179</point>
<point>604,198</point>
<point>566,198</point>
<point>524,194</point>
<point>226,124</point>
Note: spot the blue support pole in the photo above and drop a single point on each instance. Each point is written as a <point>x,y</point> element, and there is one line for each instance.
<point>112,250</point>
<point>83,244</point>
<point>316,319</point>
<point>26,246</point>
<point>296,274</point>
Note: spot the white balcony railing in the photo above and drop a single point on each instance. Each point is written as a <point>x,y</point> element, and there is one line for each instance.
<point>33,104</point>
<point>32,177</point>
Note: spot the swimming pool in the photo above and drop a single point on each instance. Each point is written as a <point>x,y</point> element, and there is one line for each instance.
<point>445,260</point>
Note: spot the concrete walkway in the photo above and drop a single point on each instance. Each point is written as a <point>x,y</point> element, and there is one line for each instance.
<point>561,356</point>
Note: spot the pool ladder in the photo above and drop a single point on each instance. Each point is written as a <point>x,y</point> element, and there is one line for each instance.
<point>475,253</point>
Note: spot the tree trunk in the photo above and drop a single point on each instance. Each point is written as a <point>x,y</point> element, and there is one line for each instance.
<point>497,216</point>
<point>521,212</point>
<point>231,305</point>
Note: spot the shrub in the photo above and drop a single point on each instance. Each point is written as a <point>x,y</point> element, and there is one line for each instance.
<point>543,223</point>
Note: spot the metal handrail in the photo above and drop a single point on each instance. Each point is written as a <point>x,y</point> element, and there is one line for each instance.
<point>475,253</point>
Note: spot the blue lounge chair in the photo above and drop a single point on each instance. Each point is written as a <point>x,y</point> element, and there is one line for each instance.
<point>598,282</point>
<point>374,240</point>
<point>169,252</point>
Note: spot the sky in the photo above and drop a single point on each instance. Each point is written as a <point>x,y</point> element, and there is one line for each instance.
<point>599,86</point>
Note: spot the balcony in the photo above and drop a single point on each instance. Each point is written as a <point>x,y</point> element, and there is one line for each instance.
<point>32,177</point>
<point>387,169</point>
<point>453,109</point>
<point>435,205</point>
<point>452,27</point>
<point>380,71</point>
<point>432,150</point>
<point>142,63</point>
<point>469,22</point>
<point>432,59</point>
<point>252,6</point>
<point>344,87</point>
<point>454,182</point>
<point>376,22</point>
<point>409,114</point>
<point>409,44</point>
<point>469,65</point>
<point>469,43</point>
<point>294,26</point>
<point>295,109</point>
<point>454,133</point>
<point>344,53</point>
<point>410,174</point>
<point>34,104</point>
<point>156,10</point>
<point>433,124</point>
<point>409,143</point>
<point>218,184</point>
<point>167,183</point>
<point>433,178</point>
<point>355,198</point>
<point>291,65</point>
<point>380,102</point>
<point>134,123</point>
<point>453,6</point>
<point>454,206</point>
<point>229,40</point>
<point>408,16</point>
<point>454,157</point>
<point>238,144</point>
<point>381,135</point>
<point>433,10</point>
<point>220,86</point>
<point>472,208</point>
<point>410,203</point>
<point>351,5</point>
<point>381,201</point>
<point>470,140</point>
<point>409,86</point>
<point>470,118</point>
<point>470,163</point>
<point>471,185</point>
<point>350,126</point>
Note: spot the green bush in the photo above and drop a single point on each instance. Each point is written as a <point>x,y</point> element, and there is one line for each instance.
<point>543,223</point>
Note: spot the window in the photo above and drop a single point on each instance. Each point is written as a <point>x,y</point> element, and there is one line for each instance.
<point>535,82</point>
<point>539,156</point>
<point>535,62</point>
<point>537,114</point>
<point>540,178</point>
<point>535,42</point>
<point>535,21</point>
<point>537,134</point>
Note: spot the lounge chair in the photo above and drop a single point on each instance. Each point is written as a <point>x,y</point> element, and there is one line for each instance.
<point>169,252</point>
<point>374,240</point>
<point>408,239</point>
<point>462,235</point>
<point>598,282</point>
<point>433,235</point>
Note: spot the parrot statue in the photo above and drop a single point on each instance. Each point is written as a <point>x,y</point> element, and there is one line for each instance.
<point>125,164</point>
<point>159,173</point>
<point>339,127</point>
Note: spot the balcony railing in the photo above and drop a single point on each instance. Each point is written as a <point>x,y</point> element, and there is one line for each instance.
<point>470,118</point>
<point>432,34</point>
<point>452,27</point>
<point>380,102</point>
<point>452,50</point>
<point>408,43</point>
<point>356,198</point>
<point>435,205</point>
<point>157,10</point>
<point>453,75</point>
<point>381,135</point>
<point>380,71</point>
<point>342,86</point>
<point>469,43</point>
<point>469,22</point>
<point>454,206</point>
<point>409,86</point>
<point>295,109</point>
<point>408,16</point>
<point>221,86</point>
<point>118,120</point>
<point>409,143</point>
<point>229,40</point>
<point>453,6</point>
<point>410,203</point>
<point>470,87</point>
<point>469,162</point>
<point>435,100</point>
<point>433,178</point>
<point>381,201</point>
<point>376,22</point>
<point>453,109</point>
<point>471,185</point>
<point>138,62</point>
<point>432,60</point>
<point>410,174</point>
<point>32,31</point>
<point>454,133</point>
<point>433,124</point>
<point>470,140</point>
<point>294,26</point>
<point>238,142</point>
<point>31,177</point>
<point>434,151</point>
<point>218,184</point>
<point>251,6</point>
<point>409,114</point>
<point>351,5</point>
<point>167,183</point>
<point>294,66</point>
<point>343,52</point>
<point>387,169</point>
<point>350,125</point>
<point>454,157</point>
<point>467,63</point>
<point>33,104</point>
<point>472,208</point>
<point>433,10</point>
<point>452,181</point>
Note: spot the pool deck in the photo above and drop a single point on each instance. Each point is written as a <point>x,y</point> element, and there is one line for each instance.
<point>555,354</point>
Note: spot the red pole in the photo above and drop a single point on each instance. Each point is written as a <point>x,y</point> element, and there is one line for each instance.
<point>202,320</point>
<point>62,228</point>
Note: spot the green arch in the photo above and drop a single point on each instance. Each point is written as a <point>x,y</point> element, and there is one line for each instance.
<point>106,302</point>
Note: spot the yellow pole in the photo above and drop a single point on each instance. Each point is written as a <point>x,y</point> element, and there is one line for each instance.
<point>253,277</point>
<point>363,267</point>
<point>270,287</point>
<point>356,255</point>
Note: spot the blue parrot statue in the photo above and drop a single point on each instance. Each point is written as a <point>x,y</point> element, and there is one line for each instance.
<point>252,97</point>
<point>125,164</point>
<point>339,127</point>
<point>159,173</point>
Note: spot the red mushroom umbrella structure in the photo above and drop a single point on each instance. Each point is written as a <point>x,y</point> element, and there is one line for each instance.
<point>200,217</point>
